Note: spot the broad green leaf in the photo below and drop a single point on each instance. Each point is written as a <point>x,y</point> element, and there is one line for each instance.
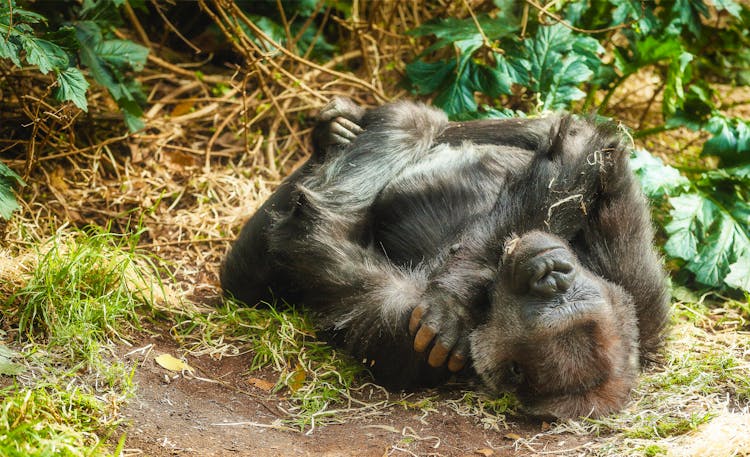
<point>731,140</point>
<point>458,97</point>
<point>563,88</point>
<point>634,10</point>
<point>8,49</point>
<point>739,274</point>
<point>730,6</point>
<point>686,214</point>
<point>451,30</point>
<point>688,13</point>
<point>44,54</point>
<point>73,87</point>
<point>427,77</point>
<point>8,180</point>
<point>123,54</point>
<point>712,237</point>
<point>656,178</point>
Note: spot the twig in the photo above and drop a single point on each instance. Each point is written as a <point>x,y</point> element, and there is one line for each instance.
<point>558,19</point>
<point>173,28</point>
<point>136,24</point>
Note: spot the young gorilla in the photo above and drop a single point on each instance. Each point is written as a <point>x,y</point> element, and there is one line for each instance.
<point>522,246</point>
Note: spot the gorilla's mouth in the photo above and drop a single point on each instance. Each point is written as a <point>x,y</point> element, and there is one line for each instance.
<point>564,314</point>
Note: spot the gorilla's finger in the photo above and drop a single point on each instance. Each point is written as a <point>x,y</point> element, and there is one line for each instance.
<point>424,336</point>
<point>416,318</point>
<point>438,355</point>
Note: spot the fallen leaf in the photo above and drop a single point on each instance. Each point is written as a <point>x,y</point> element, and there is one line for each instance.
<point>512,436</point>
<point>173,364</point>
<point>297,379</point>
<point>485,452</point>
<point>261,384</point>
<point>182,108</point>
<point>545,426</point>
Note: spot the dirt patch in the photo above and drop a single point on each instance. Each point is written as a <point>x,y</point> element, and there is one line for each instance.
<point>217,412</point>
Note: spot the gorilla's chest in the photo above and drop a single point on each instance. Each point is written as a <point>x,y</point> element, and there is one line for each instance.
<point>422,212</point>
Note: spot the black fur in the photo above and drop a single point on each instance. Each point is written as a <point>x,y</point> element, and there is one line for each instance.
<point>523,245</point>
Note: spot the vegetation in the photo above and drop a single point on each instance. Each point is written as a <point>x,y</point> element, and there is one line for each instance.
<point>184,116</point>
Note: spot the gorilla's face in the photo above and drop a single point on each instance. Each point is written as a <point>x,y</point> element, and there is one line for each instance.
<point>562,338</point>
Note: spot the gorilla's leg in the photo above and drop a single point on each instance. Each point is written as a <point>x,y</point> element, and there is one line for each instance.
<point>248,273</point>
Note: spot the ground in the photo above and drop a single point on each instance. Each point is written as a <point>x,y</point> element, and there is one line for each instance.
<point>217,412</point>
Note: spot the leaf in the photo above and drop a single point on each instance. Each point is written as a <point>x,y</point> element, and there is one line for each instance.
<point>656,179</point>
<point>731,140</point>
<point>426,77</point>
<point>172,363</point>
<point>261,384</point>
<point>685,213</point>
<point>563,88</point>
<point>711,236</point>
<point>8,49</point>
<point>674,94</point>
<point>73,87</point>
<point>559,63</point>
<point>44,54</point>
<point>730,6</point>
<point>123,54</point>
<point>8,179</point>
<point>451,30</point>
<point>739,274</point>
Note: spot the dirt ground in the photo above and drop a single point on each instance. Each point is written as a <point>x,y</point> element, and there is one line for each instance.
<point>215,411</point>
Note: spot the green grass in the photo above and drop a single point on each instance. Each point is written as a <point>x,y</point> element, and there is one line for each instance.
<point>85,290</point>
<point>311,374</point>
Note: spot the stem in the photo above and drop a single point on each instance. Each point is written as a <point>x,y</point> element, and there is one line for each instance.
<point>653,130</point>
<point>612,90</point>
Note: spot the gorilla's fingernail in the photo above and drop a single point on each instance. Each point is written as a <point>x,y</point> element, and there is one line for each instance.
<point>438,354</point>
<point>456,362</point>
<point>423,338</point>
<point>416,317</point>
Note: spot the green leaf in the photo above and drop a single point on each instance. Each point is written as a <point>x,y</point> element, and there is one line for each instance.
<point>731,140</point>
<point>426,77</point>
<point>711,236</point>
<point>44,54</point>
<point>674,94</point>
<point>458,97</point>
<point>107,70</point>
<point>73,87</point>
<point>657,179</point>
<point>563,88</point>
<point>739,274</point>
<point>9,50</point>
<point>8,180</point>
<point>123,54</point>
<point>451,30</point>
<point>729,6</point>
<point>559,63</point>
<point>686,216</point>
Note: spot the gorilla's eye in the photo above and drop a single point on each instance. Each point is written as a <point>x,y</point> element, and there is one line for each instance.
<point>515,373</point>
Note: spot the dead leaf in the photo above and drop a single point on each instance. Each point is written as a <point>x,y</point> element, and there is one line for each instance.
<point>261,384</point>
<point>512,436</point>
<point>485,452</point>
<point>297,379</point>
<point>173,364</point>
<point>182,108</point>
<point>545,426</point>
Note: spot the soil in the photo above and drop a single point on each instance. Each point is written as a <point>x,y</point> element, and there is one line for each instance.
<point>217,412</point>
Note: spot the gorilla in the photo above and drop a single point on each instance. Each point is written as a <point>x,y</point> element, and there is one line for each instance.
<point>519,251</point>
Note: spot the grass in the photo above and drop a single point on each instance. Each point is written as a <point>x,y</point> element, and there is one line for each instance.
<point>312,374</point>
<point>86,289</point>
